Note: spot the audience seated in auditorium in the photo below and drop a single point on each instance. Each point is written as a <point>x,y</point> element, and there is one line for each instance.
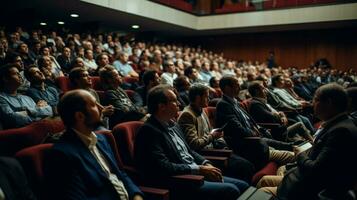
<point>277,83</point>
<point>239,127</point>
<point>13,181</point>
<point>262,112</point>
<point>16,59</point>
<point>169,74</point>
<point>329,165</point>
<point>39,91</point>
<point>125,109</point>
<point>17,110</point>
<point>123,66</point>
<point>65,60</point>
<point>182,85</point>
<point>80,79</point>
<point>161,151</point>
<point>199,135</point>
<point>150,79</point>
<point>82,165</point>
<point>300,88</point>
<point>89,61</point>
<point>274,100</point>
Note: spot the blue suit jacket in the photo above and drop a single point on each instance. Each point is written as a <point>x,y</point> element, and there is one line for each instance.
<point>72,172</point>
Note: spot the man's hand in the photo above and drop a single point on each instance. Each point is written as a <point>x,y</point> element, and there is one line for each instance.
<point>138,197</point>
<point>217,134</point>
<point>108,110</point>
<point>41,103</point>
<point>211,173</point>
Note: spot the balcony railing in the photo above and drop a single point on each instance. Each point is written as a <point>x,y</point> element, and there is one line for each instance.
<point>208,7</point>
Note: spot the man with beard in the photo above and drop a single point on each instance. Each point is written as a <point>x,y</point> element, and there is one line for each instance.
<point>17,110</point>
<point>82,164</point>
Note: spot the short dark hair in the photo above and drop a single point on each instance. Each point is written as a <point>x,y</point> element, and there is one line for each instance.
<point>105,74</point>
<point>188,71</point>
<point>334,93</point>
<point>254,87</point>
<point>196,90</point>
<point>212,81</point>
<point>179,82</point>
<point>226,81</point>
<point>4,73</point>
<point>41,62</point>
<point>71,102</point>
<point>352,95</point>
<point>275,79</point>
<point>149,76</point>
<point>75,74</point>
<point>156,96</point>
<point>27,74</point>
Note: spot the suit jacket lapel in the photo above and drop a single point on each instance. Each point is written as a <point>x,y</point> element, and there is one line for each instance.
<point>84,152</point>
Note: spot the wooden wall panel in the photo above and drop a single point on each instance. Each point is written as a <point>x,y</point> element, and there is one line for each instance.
<point>299,48</point>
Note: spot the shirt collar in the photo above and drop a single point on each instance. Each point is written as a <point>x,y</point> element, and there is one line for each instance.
<point>89,140</point>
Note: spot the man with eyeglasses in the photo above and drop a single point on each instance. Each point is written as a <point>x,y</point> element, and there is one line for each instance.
<point>169,75</point>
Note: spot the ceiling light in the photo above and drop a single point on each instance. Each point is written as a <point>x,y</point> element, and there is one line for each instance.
<point>135,26</point>
<point>60,22</point>
<point>74,15</point>
<point>43,24</point>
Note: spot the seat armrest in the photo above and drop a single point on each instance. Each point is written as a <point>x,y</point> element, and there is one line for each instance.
<point>155,193</point>
<point>216,152</point>
<point>269,125</point>
<point>191,181</point>
<point>218,161</point>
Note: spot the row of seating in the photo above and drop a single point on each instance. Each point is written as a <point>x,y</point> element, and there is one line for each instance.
<point>13,140</point>
<point>269,4</point>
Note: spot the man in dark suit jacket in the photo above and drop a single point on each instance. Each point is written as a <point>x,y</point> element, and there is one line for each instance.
<point>330,164</point>
<point>161,150</point>
<point>241,129</point>
<point>262,112</point>
<point>82,164</point>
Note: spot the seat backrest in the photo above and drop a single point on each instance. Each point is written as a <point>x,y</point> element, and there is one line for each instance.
<point>63,83</point>
<point>125,134</point>
<point>96,84</point>
<point>32,159</point>
<point>111,140</point>
<point>130,80</point>
<point>13,140</point>
<point>211,113</point>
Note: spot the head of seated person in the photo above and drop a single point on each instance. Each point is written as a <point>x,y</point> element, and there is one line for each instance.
<point>80,78</point>
<point>151,79</point>
<point>329,101</point>
<point>10,78</point>
<point>230,86</point>
<point>110,77</point>
<point>256,89</point>
<point>198,96</point>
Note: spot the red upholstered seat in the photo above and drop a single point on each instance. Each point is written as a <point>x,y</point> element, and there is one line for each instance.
<point>13,140</point>
<point>130,80</point>
<point>125,134</point>
<point>63,83</point>
<point>305,2</point>
<point>270,169</point>
<point>96,84</point>
<point>31,159</point>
